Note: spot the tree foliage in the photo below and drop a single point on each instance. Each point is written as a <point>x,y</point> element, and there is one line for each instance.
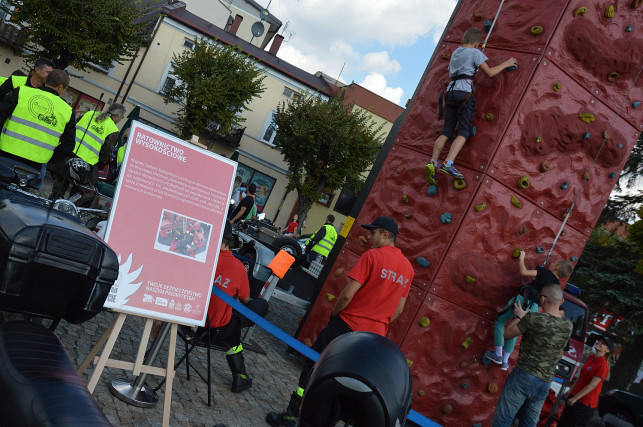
<point>624,204</point>
<point>77,32</point>
<point>325,145</point>
<point>217,81</point>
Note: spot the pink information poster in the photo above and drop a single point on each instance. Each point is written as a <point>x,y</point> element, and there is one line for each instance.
<point>166,225</point>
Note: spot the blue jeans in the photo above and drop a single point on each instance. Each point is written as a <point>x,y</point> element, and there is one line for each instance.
<point>522,393</point>
<point>312,256</point>
<point>499,330</point>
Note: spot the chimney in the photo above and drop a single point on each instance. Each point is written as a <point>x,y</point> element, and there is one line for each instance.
<point>276,44</point>
<point>235,24</point>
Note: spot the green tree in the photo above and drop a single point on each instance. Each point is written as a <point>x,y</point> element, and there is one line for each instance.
<point>77,32</point>
<point>624,201</point>
<point>216,82</point>
<point>325,144</point>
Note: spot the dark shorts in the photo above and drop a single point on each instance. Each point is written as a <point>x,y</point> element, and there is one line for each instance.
<point>458,111</point>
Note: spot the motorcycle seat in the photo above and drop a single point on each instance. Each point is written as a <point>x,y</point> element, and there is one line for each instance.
<point>40,386</point>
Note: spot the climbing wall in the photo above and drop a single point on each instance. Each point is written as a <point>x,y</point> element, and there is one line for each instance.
<point>554,132</point>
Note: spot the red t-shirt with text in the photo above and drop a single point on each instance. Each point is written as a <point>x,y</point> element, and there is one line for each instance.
<point>232,277</point>
<point>593,367</point>
<point>385,275</point>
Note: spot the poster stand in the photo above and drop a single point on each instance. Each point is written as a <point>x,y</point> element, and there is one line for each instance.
<point>134,392</point>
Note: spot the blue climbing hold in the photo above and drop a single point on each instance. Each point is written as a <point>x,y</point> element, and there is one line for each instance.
<point>512,68</point>
<point>636,104</point>
<point>574,258</point>
<point>629,29</point>
<point>423,262</point>
<point>564,185</point>
<point>540,250</point>
<point>586,135</point>
<point>487,25</point>
<point>619,145</point>
<point>445,218</point>
<point>612,175</point>
<point>473,131</point>
<point>464,385</point>
<point>432,191</point>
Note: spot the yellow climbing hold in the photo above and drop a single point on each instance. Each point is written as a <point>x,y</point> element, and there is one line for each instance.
<point>523,182</point>
<point>538,140</point>
<point>609,11</point>
<point>330,297</point>
<point>536,29</point>
<point>480,207</point>
<point>405,198</point>
<point>409,362</point>
<point>424,322</point>
<point>557,87</point>
<point>516,252</point>
<point>587,117</point>
<point>421,393</point>
<point>469,279</point>
<point>490,117</point>
<point>517,203</point>
<point>580,11</point>
<point>467,342</point>
<point>459,184</point>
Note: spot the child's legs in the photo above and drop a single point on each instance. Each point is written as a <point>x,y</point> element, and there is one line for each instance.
<point>456,146</point>
<point>439,146</point>
<point>510,344</point>
<point>450,122</point>
<point>499,329</point>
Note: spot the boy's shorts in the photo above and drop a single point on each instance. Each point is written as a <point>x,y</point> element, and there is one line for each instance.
<point>459,109</point>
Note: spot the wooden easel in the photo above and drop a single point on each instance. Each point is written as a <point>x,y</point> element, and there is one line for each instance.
<point>109,338</point>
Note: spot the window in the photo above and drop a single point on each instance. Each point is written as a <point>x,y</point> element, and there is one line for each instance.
<point>269,129</point>
<point>263,182</point>
<point>188,44</point>
<point>4,15</point>
<point>291,94</point>
<point>345,201</point>
<point>169,83</point>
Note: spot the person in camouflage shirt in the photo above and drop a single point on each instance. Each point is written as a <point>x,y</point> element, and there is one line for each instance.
<point>545,336</point>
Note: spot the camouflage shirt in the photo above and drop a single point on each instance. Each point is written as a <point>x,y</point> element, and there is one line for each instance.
<point>544,338</point>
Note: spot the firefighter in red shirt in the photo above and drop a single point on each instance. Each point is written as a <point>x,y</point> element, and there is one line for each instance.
<point>375,296</point>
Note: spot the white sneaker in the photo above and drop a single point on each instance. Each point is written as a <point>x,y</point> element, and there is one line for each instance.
<point>491,355</point>
<point>504,366</point>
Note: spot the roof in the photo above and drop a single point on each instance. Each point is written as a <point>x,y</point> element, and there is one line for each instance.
<point>372,102</point>
<point>185,17</point>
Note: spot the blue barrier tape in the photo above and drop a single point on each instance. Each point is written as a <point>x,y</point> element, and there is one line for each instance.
<point>297,345</point>
<point>559,380</point>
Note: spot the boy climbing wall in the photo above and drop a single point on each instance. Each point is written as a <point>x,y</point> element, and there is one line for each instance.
<point>460,103</point>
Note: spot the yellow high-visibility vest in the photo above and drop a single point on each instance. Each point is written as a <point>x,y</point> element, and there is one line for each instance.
<point>91,134</point>
<point>324,246</point>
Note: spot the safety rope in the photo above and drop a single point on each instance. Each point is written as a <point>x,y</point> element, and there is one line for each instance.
<point>484,44</point>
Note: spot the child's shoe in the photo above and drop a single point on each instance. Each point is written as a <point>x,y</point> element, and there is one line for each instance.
<point>451,170</point>
<point>429,169</point>
<point>504,366</point>
<point>491,355</point>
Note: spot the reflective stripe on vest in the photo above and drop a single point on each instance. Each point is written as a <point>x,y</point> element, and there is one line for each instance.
<point>325,245</point>
<point>91,134</point>
<point>34,129</point>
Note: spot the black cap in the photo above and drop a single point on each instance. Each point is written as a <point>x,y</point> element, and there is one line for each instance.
<point>227,230</point>
<point>383,222</point>
<point>252,188</point>
<point>607,340</point>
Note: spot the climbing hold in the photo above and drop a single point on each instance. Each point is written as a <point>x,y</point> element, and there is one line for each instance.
<point>330,297</point>
<point>421,393</point>
<point>400,169</point>
<point>564,213</point>
<point>619,145</point>
<point>523,182</point>
<point>512,68</point>
<point>540,250</point>
<point>523,230</point>
<point>490,117</point>
<point>612,175</point>
<point>405,198</point>
<point>423,261</point>
<point>536,29</point>
<point>629,29</point>
<point>446,82</point>
<point>447,409</point>
<point>636,4</point>
<point>487,25</point>
<point>445,218</point>
<point>473,131</point>
<point>463,364</point>
<point>408,215</point>
<point>609,11</point>
<point>586,135</point>
<point>480,207</point>
<point>544,166</point>
<point>424,322</point>
<point>538,140</point>
<point>469,279</point>
<point>409,362</point>
<point>339,271</point>
<point>477,16</point>
<point>557,87</point>
<point>516,252</point>
<point>492,388</point>
<point>517,203</point>
<point>612,76</point>
<point>586,175</point>
<point>459,184</point>
<point>636,104</point>
<point>464,385</point>
<point>446,56</point>
<point>587,117</point>
<point>467,342</point>
<point>564,185</point>
<point>438,132</point>
<point>580,11</point>
<point>362,240</point>
<point>563,233</point>
<point>477,425</point>
<point>574,258</point>
<point>432,190</point>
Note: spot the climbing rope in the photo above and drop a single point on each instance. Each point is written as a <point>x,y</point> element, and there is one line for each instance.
<point>484,45</point>
<point>586,178</point>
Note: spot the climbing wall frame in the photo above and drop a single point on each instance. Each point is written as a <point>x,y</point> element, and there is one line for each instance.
<point>554,133</point>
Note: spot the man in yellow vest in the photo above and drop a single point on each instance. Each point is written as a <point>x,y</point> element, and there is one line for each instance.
<point>42,68</point>
<point>36,122</point>
<point>322,242</point>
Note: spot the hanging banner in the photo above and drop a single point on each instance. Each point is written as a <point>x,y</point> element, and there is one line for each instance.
<point>166,225</point>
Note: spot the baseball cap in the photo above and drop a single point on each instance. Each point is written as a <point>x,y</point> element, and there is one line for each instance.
<point>383,222</point>
<point>227,230</point>
<point>607,340</point>
<point>252,188</point>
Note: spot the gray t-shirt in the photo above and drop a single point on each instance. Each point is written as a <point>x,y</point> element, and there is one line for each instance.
<point>465,60</point>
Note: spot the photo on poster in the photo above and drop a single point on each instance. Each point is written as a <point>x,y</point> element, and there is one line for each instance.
<point>184,236</point>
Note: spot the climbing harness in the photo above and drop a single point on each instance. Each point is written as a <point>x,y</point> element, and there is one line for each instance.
<point>448,89</point>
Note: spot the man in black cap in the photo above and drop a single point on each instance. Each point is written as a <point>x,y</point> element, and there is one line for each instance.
<point>383,277</point>
<point>241,211</point>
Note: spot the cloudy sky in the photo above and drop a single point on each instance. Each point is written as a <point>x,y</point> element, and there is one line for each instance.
<point>383,45</point>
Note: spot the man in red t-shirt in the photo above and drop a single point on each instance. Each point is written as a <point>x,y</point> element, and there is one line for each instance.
<point>232,277</point>
<point>374,297</point>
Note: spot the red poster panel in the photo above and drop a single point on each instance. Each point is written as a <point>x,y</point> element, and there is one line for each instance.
<point>166,225</point>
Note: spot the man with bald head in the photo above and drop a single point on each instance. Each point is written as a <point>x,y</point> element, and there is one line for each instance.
<point>544,337</point>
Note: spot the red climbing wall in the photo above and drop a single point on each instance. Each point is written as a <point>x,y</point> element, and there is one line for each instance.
<point>583,64</point>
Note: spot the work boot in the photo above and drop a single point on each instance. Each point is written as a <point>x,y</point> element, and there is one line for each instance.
<point>240,380</point>
<point>290,418</point>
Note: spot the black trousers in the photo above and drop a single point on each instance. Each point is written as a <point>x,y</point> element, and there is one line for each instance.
<point>230,333</point>
<point>577,415</point>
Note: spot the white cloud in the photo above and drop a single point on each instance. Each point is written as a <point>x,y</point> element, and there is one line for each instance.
<point>380,62</point>
<point>376,82</point>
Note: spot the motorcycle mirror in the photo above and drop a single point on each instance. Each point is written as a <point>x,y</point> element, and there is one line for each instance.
<point>261,216</point>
